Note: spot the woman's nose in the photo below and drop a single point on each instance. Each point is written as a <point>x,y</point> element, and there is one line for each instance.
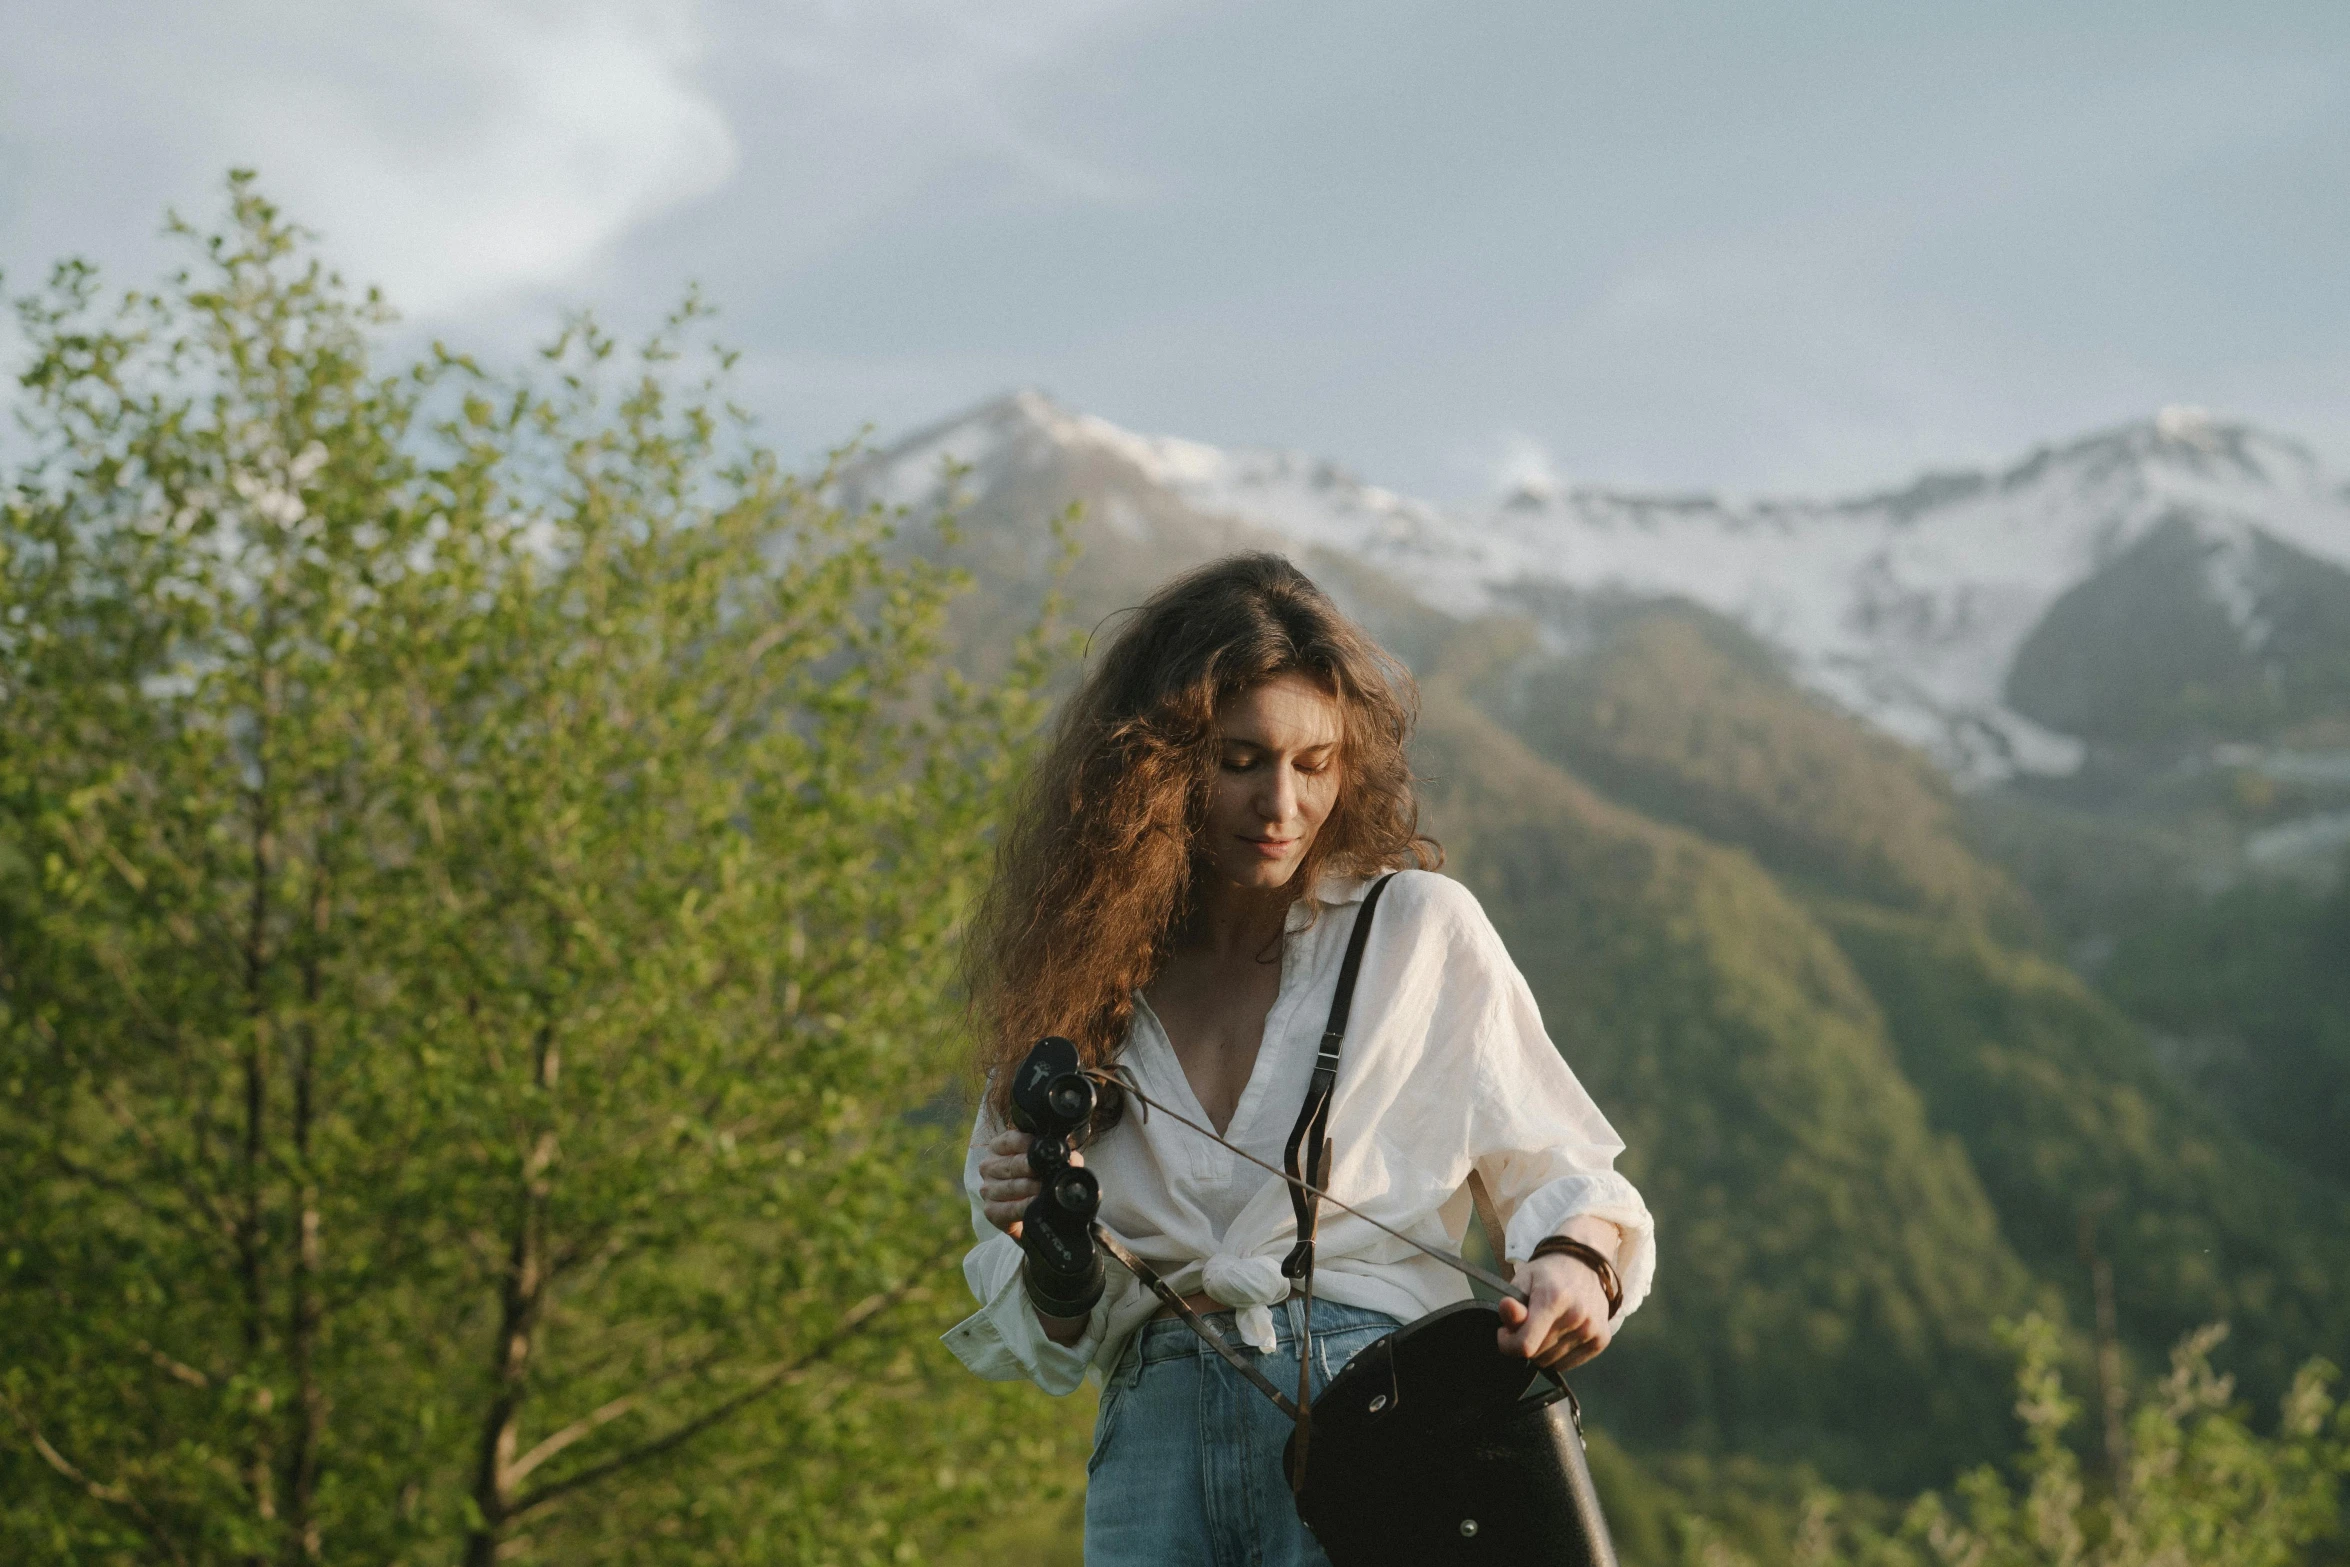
<point>1277,800</point>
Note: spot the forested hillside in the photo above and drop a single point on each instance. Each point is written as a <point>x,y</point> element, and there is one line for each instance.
<point>2058,1099</point>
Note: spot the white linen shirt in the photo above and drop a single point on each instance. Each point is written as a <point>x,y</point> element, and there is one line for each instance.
<point>1445,1066</point>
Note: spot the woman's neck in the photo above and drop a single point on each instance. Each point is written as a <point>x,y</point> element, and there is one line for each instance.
<point>1230,921</point>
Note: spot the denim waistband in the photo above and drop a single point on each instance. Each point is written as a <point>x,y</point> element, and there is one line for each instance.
<point>1171,1338</point>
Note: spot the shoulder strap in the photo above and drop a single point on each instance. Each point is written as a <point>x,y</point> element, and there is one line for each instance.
<point>1342,1000</point>
<point>1313,1117</point>
<point>1312,1134</point>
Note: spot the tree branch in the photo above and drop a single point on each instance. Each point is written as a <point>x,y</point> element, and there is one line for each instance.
<point>586,1425</point>
<point>177,1370</point>
<point>116,1495</point>
<point>133,1196</point>
<point>859,1315</point>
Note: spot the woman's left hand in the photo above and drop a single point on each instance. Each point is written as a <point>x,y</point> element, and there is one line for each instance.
<point>1565,1320</point>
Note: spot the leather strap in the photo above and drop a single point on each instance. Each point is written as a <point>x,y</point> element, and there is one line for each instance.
<point>1489,1220</point>
<point>1198,1324</point>
<point>1305,1355</point>
<point>1312,1133</point>
<point>1313,1118</point>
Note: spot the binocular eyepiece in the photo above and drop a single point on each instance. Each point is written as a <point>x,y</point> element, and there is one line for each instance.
<point>1052,1100</point>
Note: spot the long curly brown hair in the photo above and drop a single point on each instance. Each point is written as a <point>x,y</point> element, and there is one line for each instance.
<point>1096,868</point>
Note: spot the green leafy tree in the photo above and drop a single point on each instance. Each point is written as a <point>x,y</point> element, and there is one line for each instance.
<point>2201,1484</point>
<point>478,859</point>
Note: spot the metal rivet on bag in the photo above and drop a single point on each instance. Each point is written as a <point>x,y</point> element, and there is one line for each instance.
<point>1468,1528</point>
<point>1380,1403</point>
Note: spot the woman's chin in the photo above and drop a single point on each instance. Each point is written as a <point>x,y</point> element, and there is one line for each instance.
<point>1261,875</point>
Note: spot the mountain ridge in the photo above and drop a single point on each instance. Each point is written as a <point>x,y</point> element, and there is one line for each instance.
<point>1907,605</point>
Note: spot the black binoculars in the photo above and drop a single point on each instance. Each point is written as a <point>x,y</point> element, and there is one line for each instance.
<point>1052,1100</point>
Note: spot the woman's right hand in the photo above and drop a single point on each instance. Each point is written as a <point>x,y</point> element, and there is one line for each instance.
<point>1005,1189</point>
<point>1005,1185</point>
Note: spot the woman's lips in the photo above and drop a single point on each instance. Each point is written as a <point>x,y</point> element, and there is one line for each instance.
<point>1271,848</point>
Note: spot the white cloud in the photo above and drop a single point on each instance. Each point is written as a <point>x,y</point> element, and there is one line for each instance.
<point>454,151</point>
<point>855,110</point>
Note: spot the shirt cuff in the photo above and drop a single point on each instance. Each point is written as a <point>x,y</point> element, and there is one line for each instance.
<point>1003,1342</point>
<point>1600,1195</point>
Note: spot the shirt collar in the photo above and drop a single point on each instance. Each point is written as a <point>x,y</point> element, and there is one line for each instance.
<point>1331,891</point>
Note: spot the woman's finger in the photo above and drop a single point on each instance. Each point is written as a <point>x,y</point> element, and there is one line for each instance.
<point>1579,1354</point>
<point>1531,1328</point>
<point>1572,1321</point>
<point>1015,1193</point>
<point>1587,1348</point>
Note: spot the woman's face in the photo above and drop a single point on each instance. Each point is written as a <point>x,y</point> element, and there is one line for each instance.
<point>1277,778</point>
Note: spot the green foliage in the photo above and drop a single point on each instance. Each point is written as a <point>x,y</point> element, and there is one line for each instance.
<point>478,864</point>
<point>2252,991</point>
<point>1661,1505</point>
<point>2199,1484</point>
<point>2061,1104</point>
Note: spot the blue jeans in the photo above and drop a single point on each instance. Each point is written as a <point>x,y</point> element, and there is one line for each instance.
<point>1186,1466</point>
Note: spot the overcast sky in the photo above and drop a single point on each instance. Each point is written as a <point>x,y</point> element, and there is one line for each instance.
<point>1783,245</point>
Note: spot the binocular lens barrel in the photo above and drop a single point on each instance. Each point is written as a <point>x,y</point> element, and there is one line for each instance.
<point>1071,1099</point>
<point>1064,1267</point>
<point>1076,1193</point>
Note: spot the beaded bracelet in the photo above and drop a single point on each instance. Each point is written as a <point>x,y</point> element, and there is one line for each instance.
<point>1592,1258</point>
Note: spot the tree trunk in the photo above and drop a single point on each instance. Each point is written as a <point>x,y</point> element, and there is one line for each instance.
<point>252,1236</point>
<point>521,1301</point>
<point>306,1313</point>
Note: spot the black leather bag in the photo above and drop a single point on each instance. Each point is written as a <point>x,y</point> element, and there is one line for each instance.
<point>1432,1446</point>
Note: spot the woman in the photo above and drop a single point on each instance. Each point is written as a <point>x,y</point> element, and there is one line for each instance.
<point>1175,894</point>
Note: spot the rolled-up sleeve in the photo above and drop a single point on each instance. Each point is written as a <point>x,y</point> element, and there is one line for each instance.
<point>1003,1341</point>
<point>1543,1146</point>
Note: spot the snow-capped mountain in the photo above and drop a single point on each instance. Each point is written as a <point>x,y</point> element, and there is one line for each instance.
<point>2005,620</point>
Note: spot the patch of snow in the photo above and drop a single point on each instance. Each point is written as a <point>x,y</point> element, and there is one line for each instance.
<point>2298,842</point>
<point>2184,423</point>
<point>2232,576</point>
<point>2318,769</point>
